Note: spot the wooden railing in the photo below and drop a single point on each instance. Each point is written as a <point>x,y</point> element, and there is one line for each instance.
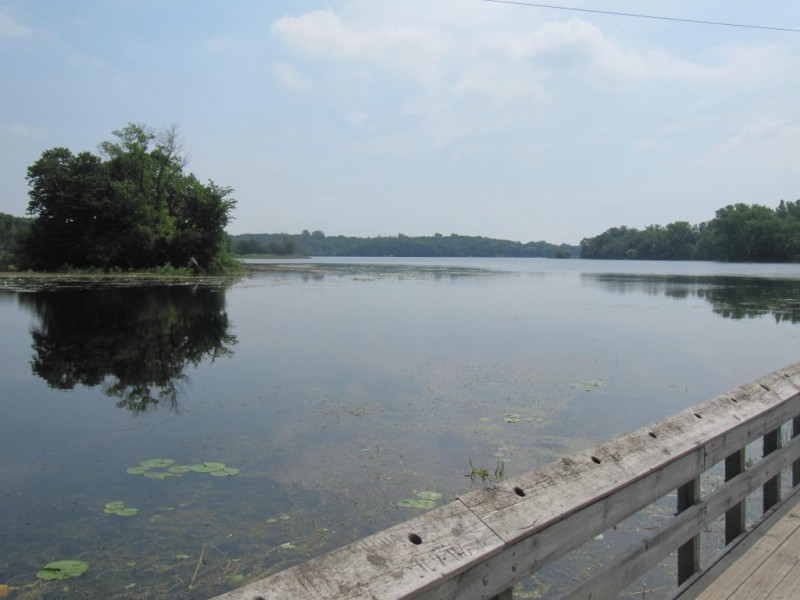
<point>480,545</point>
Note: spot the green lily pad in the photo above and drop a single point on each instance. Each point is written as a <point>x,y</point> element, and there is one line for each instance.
<point>155,463</point>
<point>208,467</point>
<point>418,503</point>
<point>513,418</point>
<point>182,556</point>
<point>118,508</point>
<point>179,469</point>
<point>157,475</point>
<point>62,569</point>
<point>137,470</point>
<point>433,496</point>
<point>226,472</point>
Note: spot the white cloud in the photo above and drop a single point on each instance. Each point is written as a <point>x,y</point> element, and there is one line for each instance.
<point>412,51</point>
<point>767,136</point>
<point>290,77</point>
<point>10,28</point>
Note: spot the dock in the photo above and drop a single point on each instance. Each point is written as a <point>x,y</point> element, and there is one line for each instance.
<point>481,545</point>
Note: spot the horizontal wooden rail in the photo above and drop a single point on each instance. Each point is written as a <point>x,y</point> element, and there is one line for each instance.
<point>480,545</point>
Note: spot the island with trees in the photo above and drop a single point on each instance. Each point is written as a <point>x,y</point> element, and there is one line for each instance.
<point>131,207</point>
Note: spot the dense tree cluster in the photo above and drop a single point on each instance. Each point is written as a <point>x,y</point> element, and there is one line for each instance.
<point>318,244</point>
<point>132,207</point>
<point>12,230</point>
<point>738,233</point>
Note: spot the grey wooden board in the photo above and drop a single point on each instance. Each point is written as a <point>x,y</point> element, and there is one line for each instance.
<point>387,564</point>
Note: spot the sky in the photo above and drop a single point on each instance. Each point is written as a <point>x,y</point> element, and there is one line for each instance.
<point>378,117</point>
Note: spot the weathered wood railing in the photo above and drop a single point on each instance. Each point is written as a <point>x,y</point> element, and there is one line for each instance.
<point>480,545</point>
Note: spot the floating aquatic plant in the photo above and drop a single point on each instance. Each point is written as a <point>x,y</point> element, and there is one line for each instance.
<point>146,469</point>
<point>590,385</point>
<point>208,467</point>
<point>226,472</point>
<point>62,569</point>
<point>155,463</point>
<point>423,500</point>
<point>484,475</point>
<point>118,508</point>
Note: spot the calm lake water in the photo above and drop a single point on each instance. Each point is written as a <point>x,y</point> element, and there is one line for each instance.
<point>331,390</point>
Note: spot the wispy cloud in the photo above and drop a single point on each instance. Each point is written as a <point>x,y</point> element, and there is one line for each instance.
<point>11,28</point>
<point>290,77</point>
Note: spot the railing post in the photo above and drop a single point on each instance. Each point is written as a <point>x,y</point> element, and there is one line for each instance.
<point>772,489</point>
<point>735,517</point>
<point>688,553</point>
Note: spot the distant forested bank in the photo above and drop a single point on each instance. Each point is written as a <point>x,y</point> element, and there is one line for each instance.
<point>738,233</point>
<point>318,244</point>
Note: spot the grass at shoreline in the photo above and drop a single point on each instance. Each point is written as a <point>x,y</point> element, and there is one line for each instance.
<point>40,280</point>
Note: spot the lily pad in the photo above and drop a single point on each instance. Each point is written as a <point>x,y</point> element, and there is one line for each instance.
<point>208,467</point>
<point>429,496</point>
<point>513,418</point>
<point>226,472</point>
<point>137,470</point>
<point>157,475</point>
<point>182,556</point>
<point>416,503</point>
<point>62,569</point>
<point>179,469</point>
<point>118,508</point>
<point>155,463</point>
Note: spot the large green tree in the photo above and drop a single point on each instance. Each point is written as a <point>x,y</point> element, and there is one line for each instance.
<point>133,206</point>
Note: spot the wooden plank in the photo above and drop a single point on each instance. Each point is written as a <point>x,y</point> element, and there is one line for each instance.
<point>629,566</point>
<point>395,563</point>
<point>756,567</point>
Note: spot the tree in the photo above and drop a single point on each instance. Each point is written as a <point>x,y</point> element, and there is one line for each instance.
<point>132,207</point>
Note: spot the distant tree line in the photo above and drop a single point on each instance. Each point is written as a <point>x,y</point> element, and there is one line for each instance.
<point>738,233</point>
<point>132,207</point>
<point>318,244</point>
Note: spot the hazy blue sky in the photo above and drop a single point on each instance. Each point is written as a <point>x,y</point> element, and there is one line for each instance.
<point>377,117</point>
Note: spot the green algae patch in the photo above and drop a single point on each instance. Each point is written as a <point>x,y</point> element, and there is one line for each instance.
<point>62,569</point>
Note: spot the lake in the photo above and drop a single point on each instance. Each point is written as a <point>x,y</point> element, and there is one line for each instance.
<point>183,440</point>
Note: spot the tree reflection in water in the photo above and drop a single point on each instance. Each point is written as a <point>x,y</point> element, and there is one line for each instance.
<point>135,342</point>
<point>730,297</point>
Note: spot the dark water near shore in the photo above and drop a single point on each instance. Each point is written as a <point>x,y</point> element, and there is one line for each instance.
<point>337,388</point>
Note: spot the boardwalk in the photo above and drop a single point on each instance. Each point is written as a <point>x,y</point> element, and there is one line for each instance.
<point>765,565</point>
